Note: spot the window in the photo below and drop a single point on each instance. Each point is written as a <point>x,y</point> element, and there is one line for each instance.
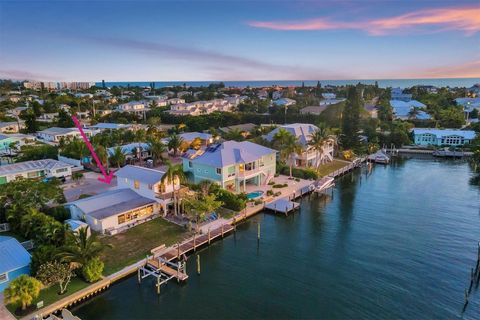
<point>190,164</point>
<point>3,277</point>
<point>136,184</point>
<point>219,170</point>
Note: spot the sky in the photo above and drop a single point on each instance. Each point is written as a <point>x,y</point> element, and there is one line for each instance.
<point>182,40</point>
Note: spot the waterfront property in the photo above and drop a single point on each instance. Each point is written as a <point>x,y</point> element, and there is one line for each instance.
<point>232,165</point>
<point>47,168</point>
<point>442,137</point>
<point>149,183</point>
<point>15,261</point>
<point>56,134</point>
<point>114,210</point>
<point>303,132</point>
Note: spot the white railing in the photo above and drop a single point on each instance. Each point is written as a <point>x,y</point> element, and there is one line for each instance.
<point>4,227</point>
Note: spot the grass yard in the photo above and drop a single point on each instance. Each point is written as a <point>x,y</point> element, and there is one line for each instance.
<point>134,244</point>
<point>329,167</point>
<point>50,295</point>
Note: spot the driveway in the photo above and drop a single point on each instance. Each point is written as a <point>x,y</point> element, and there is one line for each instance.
<point>88,185</point>
<point>4,313</point>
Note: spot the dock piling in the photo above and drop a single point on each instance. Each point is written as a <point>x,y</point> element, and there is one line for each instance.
<point>198,264</point>
<point>258,231</point>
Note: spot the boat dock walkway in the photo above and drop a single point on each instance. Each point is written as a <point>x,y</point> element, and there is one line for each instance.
<point>282,205</point>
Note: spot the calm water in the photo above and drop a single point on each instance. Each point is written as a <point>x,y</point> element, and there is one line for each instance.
<point>398,244</point>
<point>402,83</point>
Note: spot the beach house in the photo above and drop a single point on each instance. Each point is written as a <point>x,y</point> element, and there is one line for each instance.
<point>232,164</point>
<point>303,132</point>
<point>46,168</point>
<point>442,137</point>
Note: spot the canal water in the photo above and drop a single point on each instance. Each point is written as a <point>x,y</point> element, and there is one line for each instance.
<point>396,244</point>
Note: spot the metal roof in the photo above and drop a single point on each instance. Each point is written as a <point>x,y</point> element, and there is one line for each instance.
<point>107,125</point>
<point>12,255</point>
<point>303,132</point>
<point>232,152</point>
<point>439,133</point>
<point>142,174</point>
<point>111,203</point>
<point>46,164</point>
<point>58,131</point>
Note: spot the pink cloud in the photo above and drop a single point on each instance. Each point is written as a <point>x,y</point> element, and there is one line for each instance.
<point>465,19</point>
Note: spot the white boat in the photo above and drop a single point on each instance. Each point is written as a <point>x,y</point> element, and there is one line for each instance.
<point>379,157</point>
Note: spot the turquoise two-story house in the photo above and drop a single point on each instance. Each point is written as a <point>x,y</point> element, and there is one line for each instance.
<point>442,137</point>
<point>231,164</point>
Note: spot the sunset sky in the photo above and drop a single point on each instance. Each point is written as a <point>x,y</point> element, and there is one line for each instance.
<point>238,40</point>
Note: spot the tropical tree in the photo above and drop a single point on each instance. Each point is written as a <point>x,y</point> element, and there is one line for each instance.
<point>174,174</point>
<point>175,143</point>
<point>234,134</point>
<point>198,207</point>
<point>80,248</point>
<point>23,290</point>
<point>320,140</point>
<point>55,272</point>
<point>291,148</point>
<point>102,155</point>
<point>413,113</point>
<point>281,138</point>
<point>157,148</point>
<point>117,158</point>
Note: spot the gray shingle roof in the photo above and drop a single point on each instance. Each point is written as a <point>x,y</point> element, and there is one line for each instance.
<point>57,130</point>
<point>13,254</point>
<point>144,175</point>
<point>232,152</point>
<point>111,203</point>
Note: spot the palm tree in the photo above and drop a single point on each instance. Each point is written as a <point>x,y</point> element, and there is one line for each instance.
<point>234,134</point>
<point>413,113</point>
<point>174,174</point>
<point>281,138</point>
<point>80,248</point>
<point>24,290</point>
<point>319,140</point>
<point>117,158</point>
<point>102,155</point>
<point>175,143</point>
<point>157,148</point>
<point>291,148</point>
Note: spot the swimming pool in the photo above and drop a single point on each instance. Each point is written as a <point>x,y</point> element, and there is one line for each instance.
<point>254,195</point>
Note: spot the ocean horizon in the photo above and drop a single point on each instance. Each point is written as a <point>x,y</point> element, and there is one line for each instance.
<point>383,83</point>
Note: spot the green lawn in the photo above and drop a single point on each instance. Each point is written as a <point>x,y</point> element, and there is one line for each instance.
<point>329,167</point>
<point>134,244</point>
<point>50,295</point>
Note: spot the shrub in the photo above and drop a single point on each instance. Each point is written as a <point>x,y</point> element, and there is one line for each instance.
<point>23,290</point>
<point>236,202</point>
<point>258,201</point>
<point>84,195</point>
<point>269,193</point>
<point>271,183</point>
<point>92,270</point>
<point>302,173</point>
<point>60,213</point>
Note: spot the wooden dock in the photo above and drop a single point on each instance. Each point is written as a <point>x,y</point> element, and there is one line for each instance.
<point>282,205</point>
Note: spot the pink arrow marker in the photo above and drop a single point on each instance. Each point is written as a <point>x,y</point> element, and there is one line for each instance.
<point>107,178</point>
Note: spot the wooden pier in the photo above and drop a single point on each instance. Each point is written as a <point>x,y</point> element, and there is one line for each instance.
<point>282,205</point>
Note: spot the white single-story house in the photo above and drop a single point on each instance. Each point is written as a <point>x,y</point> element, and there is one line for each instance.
<point>35,169</point>
<point>116,209</point>
<point>442,137</point>
<point>55,134</point>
